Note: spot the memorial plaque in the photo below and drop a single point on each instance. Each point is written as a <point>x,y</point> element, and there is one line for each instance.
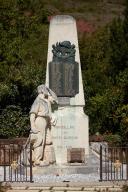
<point>76,155</point>
<point>63,70</point>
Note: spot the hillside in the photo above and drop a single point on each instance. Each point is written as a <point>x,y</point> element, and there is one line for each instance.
<point>93,13</point>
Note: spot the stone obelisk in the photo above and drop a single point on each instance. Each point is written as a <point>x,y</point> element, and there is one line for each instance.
<point>65,79</point>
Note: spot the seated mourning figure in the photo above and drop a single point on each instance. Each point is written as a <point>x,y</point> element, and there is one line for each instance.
<point>42,120</point>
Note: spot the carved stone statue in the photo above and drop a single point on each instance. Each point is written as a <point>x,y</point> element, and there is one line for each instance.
<point>41,120</point>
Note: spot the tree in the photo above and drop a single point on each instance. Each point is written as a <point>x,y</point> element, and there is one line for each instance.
<point>24,32</point>
<point>105,68</point>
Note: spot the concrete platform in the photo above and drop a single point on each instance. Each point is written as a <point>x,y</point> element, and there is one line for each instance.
<point>65,169</point>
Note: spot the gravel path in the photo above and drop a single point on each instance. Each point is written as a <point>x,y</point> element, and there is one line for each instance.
<point>66,178</point>
<point>52,178</point>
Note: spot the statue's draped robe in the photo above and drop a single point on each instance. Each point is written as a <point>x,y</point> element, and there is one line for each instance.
<point>42,141</point>
<point>41,110</point>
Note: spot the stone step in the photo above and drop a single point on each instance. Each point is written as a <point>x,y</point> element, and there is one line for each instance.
<point>65,189</point>
<point>87,190</point>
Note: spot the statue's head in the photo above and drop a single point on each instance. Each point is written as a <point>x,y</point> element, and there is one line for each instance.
<point>48,93</point>
<point>42,89</point>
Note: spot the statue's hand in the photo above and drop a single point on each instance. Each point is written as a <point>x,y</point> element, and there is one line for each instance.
<point>53,120</point>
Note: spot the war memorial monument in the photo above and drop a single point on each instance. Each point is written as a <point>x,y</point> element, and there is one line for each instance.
<point>57,149</point>
<point>60,137</point>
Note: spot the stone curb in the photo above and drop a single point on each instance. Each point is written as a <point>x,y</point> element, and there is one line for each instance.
<point>68,184</point>
<point>64,190</point>
<point>66,187</point>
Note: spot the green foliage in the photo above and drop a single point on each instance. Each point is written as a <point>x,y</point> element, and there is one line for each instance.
<point>105,73</point>
<point>113,140</point>
<point>13,122</point>
<point>118,57</point>
<point>4,188</point>
<point>23,52</point>
<point>125,188</point>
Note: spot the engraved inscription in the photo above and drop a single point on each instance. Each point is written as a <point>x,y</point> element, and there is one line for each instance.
<point>69,77</point>
<point>55,77</point>
<point>64,100</point>
<point>76,155</point>
<point>64,70</point>
<point>64,127</point>
<point>65,136</point>
<point>63,79</point>
<point>68,137</point>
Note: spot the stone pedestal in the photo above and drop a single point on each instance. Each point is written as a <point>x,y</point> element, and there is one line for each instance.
<point>65,170</point>
<point>71,130</point>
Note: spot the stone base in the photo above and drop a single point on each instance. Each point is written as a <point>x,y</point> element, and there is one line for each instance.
<point>92,165</point>
<point>70,132</point>
<point>62,170</point>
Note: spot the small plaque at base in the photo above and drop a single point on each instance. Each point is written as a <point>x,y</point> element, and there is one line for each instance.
<point>76,155</point>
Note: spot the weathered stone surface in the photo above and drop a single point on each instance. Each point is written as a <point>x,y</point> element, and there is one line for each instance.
<point>39,188</point>
<point>75,155</point>
<point>23,190</point>
<point>65,78</point>
<point>19,188</point>
<point>71,131</point>
<point>63,28</point>
<point>67,188</point>
<point>41,122</point>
